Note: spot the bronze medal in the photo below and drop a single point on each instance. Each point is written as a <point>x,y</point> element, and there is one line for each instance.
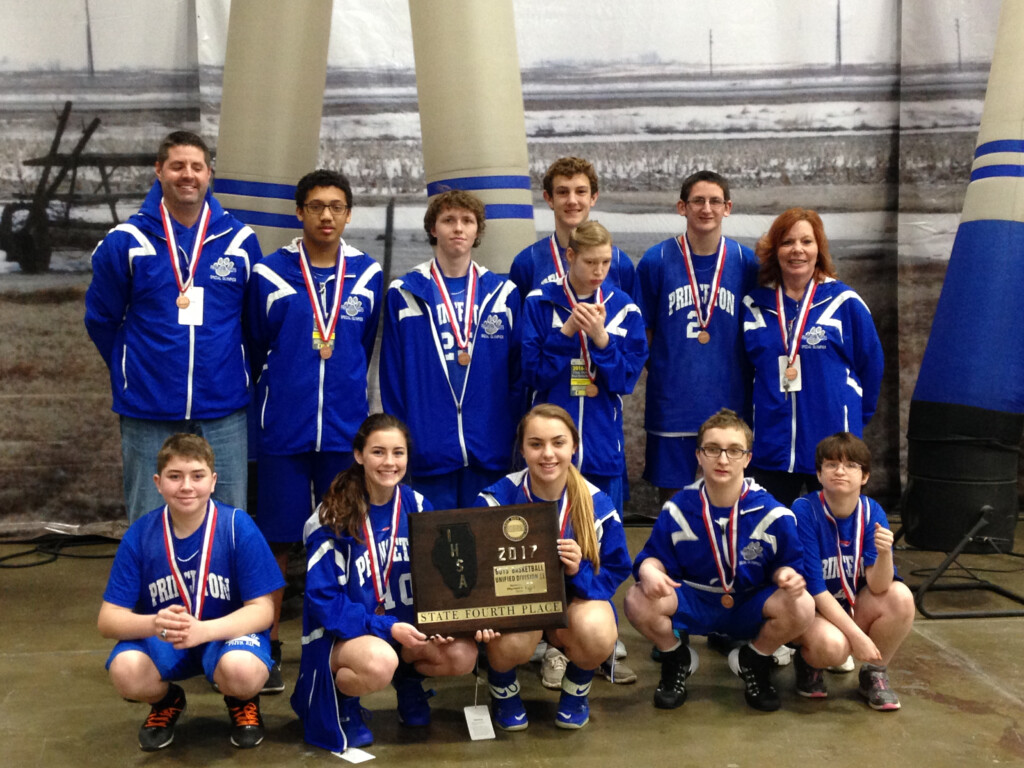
<point>591,390</point>
<point>728,601</point>
<point>463,358</point>
<point>326,352</point>
<point>791,373</point>
<point>182,301</point>
<point>379,610</point>
<point>703,337</point>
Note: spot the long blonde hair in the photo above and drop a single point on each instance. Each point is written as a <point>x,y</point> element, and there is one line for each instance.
<point>581,503</point>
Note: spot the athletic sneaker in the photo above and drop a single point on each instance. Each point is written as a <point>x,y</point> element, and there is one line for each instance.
<point>810,681</point>
<point>413,709</point>
<point>158,730</point>
<point>552,668</point>
<point>620,649</point>
<point>353,722</point>
<point>509,713</point>
<point>783,656</point>
<point>722,643</point>
<point>874,686</point>
<point>246,721</point>
<point>617,672</point>
<point>676,667</point>
<point>847,666</point>
<point>538,652</point>
<point>756,672</point>
<point>275,683</point>
<point>573,711</point>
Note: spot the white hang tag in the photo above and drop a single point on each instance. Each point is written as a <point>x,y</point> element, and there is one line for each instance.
<point>193,313</point>
<point>478,720</point>
<point>790,376</point>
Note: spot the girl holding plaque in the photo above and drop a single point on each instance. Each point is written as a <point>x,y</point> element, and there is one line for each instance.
<point>815,351</point>
<point>357,628</point>
<point>584,345</point>
<point>592,548</point>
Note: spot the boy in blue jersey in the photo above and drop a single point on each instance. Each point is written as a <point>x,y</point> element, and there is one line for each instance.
<point>570,190</point>
<point>188,594</point>
<point>722,557</point>
<point>863,610</point>
<point>313,310</point>
<point>690,290</point>
<point>449,359</point>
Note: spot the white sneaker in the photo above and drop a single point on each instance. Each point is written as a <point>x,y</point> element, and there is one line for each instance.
<point>847,666</point>
<point>538,652</point>
<point>552,669</point>
<point>783,656</point>
<point>620,649</point>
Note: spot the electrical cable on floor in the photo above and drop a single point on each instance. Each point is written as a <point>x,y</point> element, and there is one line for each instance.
<point>48,548</point>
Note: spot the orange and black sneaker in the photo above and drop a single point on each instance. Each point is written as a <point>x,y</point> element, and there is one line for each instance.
<point>158,730</point>
<point>246,721</point>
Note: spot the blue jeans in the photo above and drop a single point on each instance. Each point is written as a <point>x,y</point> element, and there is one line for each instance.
<point>141,440</point>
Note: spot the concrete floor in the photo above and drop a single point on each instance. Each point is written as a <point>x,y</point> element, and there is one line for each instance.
<point>961,683</point>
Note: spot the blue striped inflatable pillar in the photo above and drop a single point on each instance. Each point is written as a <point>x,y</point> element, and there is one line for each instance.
<point>967,411</point>
<point>275,70</point>
<point>471,115</point>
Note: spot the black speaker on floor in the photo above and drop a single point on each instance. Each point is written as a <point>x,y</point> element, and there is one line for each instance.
<point>961,458</point>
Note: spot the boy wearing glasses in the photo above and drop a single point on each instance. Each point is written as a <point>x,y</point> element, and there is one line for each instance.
<point>312,313</point>
<point>690,290</point>
<point>863,609</point>
<point>723,556</point>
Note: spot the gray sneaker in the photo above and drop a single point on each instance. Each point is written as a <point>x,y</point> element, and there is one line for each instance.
<point>874,687</point>
<point>552,668</point>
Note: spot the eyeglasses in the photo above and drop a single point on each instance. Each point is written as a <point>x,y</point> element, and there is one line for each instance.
<point>700,202</point>
<point>316,208</point>
<point>833,466</point>
<point>733,452</point>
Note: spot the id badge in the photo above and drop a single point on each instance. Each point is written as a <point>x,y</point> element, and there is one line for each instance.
<point>193,313</point>
<point>790,376</point>
<point>578,378</point>
<point>318,342</point>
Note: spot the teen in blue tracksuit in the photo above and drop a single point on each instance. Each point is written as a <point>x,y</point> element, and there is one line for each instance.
<point>453,375</point>
<point>587,376</point>
<point>310,394</point>
<point>724,556</point>
<point>570,190</point>
<point>827,343</point>
<point>862,608</point>
<point>357,631</point>
<point>592,549</point>
<point>171,331</point>
<point>697,363</point>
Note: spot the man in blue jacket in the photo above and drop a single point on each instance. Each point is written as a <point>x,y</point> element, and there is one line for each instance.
<point>164,309</point>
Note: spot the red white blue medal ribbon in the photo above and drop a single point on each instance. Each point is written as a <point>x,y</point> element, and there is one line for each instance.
<point>193,603</point>
<point>791,342</point>
<point>464,334</point>
<point>570,296</point>
<point>703,317</point>
<point>556,257</point>
<point>172,246</point>
<point>859,530</point>
<point>324,325</point>
<point>732,536</point>
<point>563,513</point>
<point>381,572</point>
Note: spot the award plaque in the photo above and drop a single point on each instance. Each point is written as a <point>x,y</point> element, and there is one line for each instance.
<point>486,568</point>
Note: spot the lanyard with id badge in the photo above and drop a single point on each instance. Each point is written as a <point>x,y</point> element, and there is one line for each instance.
<point>582,373</point>
<point>190,297</point>
<point>790,375</point>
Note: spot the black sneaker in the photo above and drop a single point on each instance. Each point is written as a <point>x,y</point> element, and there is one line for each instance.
<point>810,681</point>
<point>874,687</point>
<point>676,667</point>
<point>756,672</point>
<point>275,683</point>
<point>723,643</point>
<point>158,730</point>
<point>246,721</point>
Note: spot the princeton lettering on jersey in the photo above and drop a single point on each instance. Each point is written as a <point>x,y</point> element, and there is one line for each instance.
<point>830,567</point>
<point>165,590</point>
<point>682,297</point>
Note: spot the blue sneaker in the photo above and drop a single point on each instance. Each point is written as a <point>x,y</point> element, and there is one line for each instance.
<point>509,713</point>
<point>573,711</point>
<point>413,706</point>
<point>356,732</point>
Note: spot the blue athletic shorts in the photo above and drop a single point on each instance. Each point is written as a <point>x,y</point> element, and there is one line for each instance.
<point>700,612</point>
<point>670,462</point>
<point>174,664</point>
<point>290,487</point>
